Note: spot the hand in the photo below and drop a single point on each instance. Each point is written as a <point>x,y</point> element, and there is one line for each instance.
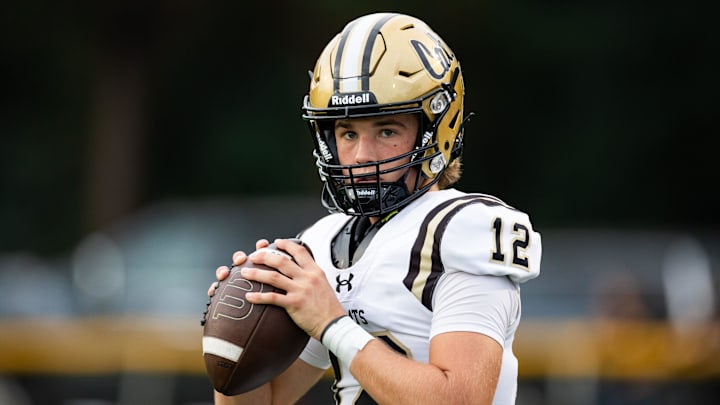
<point>238,258</point>
<point>309,300</point>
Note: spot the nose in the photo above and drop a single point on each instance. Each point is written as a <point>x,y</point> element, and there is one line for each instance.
<point>365,151</point>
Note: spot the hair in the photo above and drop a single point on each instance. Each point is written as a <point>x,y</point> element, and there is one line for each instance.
<point>451,175</point>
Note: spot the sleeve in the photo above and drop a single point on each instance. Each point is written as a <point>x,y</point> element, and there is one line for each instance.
<point>316,354</point>
<point>492,240</point>
<point>465,302</point>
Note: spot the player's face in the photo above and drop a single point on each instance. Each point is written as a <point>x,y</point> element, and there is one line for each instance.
<point>366,140</point>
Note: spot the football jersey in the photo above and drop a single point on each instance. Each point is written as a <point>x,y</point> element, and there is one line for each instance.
<point>449,261</point>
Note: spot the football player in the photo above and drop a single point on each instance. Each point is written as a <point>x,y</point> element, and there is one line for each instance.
<point>412,294</point>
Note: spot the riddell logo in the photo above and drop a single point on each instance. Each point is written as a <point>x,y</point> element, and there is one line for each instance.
<point>324,150</point>
<point>350,99</point>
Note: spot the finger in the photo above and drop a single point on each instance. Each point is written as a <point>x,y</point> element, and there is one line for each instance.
<point>222,272</point>
<point>270,298</point>
<point>275,259</point>
<point>261,243</point>
<point>299,252</point>
<point>270,277</point>
<point>211,290</point>
<point>239,258</point>
<point>287,300</point>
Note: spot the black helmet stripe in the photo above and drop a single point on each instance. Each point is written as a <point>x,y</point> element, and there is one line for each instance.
<point>338,57</point>
<point>367,54</point>
<point>345,66</point>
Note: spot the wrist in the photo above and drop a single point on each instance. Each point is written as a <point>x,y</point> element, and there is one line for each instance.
<point>344,338</point>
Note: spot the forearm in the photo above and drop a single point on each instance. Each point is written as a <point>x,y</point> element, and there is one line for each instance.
<point>462,369</point>
<point>261,395</point>
<point>286,388</point>
<point>394,379</point>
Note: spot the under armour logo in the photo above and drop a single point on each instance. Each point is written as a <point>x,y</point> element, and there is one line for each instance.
<point>343,283</point>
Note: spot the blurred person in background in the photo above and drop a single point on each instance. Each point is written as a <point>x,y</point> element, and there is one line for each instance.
<point>412,293</point>
<point>623,312</point>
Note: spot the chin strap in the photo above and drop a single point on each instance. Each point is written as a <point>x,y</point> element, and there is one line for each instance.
<point>394,193</point>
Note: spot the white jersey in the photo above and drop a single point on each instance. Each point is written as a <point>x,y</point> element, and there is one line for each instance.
<point>449,261</point>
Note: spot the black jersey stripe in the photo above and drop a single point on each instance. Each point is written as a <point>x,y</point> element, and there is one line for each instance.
<point>426,265</point>
<point>426,251</point>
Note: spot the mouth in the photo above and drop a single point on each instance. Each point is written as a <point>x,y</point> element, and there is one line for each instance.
<point>363,183</point>
<point>366,180</point>
<point>364,177</point>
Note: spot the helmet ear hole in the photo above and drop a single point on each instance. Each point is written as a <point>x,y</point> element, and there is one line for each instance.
<point>447,145</point>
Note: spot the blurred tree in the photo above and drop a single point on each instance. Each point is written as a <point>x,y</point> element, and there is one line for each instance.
<point>587,113</point>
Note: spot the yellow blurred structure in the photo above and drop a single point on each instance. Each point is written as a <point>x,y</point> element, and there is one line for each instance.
<point>564,348</point>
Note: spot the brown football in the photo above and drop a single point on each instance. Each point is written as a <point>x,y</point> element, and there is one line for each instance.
<point>246,345</point>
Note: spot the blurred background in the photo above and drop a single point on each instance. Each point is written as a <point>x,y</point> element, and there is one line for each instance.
<point>142,142</point>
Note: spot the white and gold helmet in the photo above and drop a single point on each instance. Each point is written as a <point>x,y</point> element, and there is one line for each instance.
<point>382,64</point>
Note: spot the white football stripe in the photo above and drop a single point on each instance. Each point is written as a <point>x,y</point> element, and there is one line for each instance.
<point>221,348</point>
<point>352,56</point>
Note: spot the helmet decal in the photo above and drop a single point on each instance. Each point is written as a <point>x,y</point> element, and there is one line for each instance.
<point>324,150</point>
<point>437,54</point>
<point>352,99</point>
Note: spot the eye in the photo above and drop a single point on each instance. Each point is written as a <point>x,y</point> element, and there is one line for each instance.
<point>346,135</point>
<point>387,133</point>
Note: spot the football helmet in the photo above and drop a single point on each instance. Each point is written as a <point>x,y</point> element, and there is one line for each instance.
<point>382,64</point>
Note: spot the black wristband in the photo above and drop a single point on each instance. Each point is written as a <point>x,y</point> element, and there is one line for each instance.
<point>331,323</point>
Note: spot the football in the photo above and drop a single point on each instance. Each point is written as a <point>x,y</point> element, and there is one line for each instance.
<point>246,345</point>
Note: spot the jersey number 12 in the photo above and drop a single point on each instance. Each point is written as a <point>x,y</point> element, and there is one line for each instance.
<point>520,243</point>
